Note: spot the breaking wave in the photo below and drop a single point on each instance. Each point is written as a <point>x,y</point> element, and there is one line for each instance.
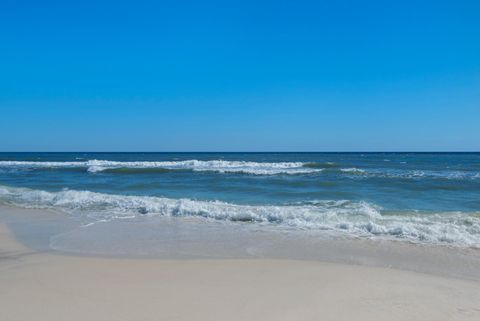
<point>221,166</point>
<point>245,167</point>
<point>353,170</point>
<point>320,165</point>
<point>360,219</point>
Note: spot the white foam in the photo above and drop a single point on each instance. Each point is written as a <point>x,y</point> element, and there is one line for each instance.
<point>352,170</point>
<point>255,168</point>
<point>221,166</point>
<point>347,217</point>
<point>29,164</point>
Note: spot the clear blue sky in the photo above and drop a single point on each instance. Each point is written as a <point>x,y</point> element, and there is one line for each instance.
<point>239,75</point>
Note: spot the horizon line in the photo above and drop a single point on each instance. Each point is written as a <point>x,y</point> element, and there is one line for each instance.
<point>240,152</point>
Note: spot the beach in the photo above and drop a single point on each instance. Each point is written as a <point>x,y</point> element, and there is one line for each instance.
<point>51,285</point>
<point>239,236</point>
<point>240,161</point>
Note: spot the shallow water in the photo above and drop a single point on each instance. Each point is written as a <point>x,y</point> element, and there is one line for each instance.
<point>163,237</point>
<point>429,198</point>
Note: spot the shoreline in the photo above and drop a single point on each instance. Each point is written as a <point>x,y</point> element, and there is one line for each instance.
<point>165,238</point>
<point>65,287</point>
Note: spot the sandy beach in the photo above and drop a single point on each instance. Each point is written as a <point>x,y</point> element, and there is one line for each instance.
<point>38,285</point>
<point>240,160</point>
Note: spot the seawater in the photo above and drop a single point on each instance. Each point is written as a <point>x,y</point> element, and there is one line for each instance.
<point>429,198</point>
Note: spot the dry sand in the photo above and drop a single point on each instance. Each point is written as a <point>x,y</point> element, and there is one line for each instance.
<point>44,286</point>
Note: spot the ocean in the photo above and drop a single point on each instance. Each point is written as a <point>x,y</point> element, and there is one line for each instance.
<point>426,198</point>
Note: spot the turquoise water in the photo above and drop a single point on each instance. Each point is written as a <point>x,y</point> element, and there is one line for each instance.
<point>419,197</point>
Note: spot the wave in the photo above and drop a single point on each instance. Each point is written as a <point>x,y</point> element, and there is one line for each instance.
<point>144,170</point>
<point>221,166</point>
<point>245,167</point>
<point>320,165</point>
<point>352,170</point>
<point>411,174</point>
<point>360,219</point>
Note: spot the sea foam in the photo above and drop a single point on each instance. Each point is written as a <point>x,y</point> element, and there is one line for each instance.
<point>245,167</point>
<point>357,219</point>
<point>221,166</point>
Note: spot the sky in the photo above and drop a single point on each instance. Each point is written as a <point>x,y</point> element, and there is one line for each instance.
<point>239,75</point>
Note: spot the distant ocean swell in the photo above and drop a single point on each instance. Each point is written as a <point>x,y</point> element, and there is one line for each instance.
<point>358,219</point>
<point>245,167</point>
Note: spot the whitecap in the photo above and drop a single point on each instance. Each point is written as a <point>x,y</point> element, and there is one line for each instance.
<point>220,166</point>
<point>355,218</point>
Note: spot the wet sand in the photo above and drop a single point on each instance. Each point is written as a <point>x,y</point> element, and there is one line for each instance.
<point>45,285</point>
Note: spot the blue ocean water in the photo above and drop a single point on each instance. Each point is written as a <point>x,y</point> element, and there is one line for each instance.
<point>420,197</point>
